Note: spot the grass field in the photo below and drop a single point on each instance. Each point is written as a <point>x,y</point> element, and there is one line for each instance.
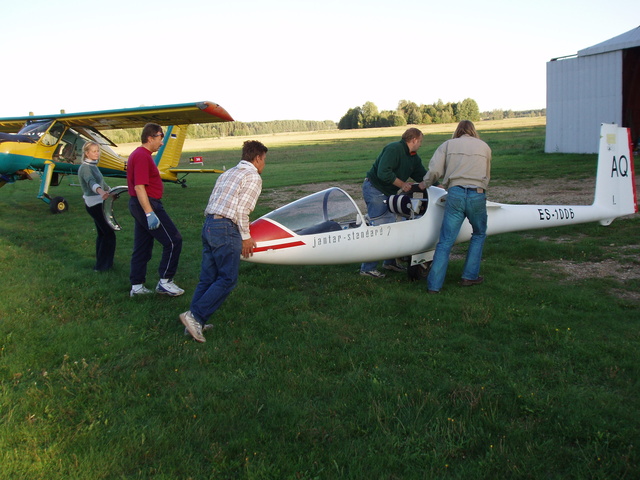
<point>315,372</point>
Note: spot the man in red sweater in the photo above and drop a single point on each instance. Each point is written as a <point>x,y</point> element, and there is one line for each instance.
<point>151,220</point>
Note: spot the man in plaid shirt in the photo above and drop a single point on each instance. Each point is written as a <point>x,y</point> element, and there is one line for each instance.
<point>226,236</point>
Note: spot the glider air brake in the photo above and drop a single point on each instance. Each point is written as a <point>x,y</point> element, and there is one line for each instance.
<point>52,145</point>
<point>328,228</point>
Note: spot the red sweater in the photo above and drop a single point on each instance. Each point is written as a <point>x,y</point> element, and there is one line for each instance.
<point>141,170</point>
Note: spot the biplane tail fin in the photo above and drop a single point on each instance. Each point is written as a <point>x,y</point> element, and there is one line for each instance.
<point>615,178</point>
<point>169,154</point>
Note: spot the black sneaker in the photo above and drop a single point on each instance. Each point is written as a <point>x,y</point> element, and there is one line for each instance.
<point>395,266</point>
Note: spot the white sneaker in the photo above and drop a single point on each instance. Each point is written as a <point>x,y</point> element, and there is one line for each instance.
<point>139,290</point>
<point>167,287</point>
<point>193,326</point>
<point>205,328</point>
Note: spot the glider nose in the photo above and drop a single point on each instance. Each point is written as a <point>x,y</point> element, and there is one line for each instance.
<point>271,237</point>
<point>263,230</point>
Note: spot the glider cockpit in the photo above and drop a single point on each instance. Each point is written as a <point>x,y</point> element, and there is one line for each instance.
<point>326,211</point>
<point>333,209</point>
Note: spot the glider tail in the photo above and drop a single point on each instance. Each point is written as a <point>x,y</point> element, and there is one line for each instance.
<point>169,154</point>
<point>615,179</point>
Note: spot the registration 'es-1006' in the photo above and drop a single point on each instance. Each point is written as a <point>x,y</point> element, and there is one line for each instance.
<point>556,213</point>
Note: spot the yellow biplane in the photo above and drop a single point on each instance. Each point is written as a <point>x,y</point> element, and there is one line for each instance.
<point>52,144</point>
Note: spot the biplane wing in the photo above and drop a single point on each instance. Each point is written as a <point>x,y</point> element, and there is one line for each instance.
<point>52,144</point>
<point>179,114</point>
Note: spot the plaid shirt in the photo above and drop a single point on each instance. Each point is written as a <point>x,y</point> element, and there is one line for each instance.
<point>235,195</point>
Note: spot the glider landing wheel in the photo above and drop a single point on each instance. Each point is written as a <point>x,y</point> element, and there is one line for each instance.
<point>418,272</point>
<point>58,205</point>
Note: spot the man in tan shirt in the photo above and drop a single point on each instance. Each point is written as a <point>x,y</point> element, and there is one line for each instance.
<point>464,164</point>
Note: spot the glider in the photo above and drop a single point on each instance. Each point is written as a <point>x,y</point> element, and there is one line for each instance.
<point>327,227</point>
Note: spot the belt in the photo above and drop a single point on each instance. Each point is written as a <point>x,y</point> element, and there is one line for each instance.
<point>219,217</point>
<point>473,189</point>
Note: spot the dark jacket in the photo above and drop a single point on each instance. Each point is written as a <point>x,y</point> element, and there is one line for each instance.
<point>395,161</point>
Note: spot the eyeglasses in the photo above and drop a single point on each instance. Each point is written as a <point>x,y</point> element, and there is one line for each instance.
<point>161,135</point>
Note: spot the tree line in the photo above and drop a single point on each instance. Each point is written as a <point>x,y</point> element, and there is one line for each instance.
<point>410,113</point>
<point>500,114</point>
<point>232,129</point>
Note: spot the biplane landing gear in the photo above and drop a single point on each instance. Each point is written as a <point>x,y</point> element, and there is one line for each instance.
<point>58,205</point>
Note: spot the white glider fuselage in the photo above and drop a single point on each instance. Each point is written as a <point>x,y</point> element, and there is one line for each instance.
<point>328,228</point>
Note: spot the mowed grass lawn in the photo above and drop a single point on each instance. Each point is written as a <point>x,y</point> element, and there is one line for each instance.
<point>314,371</point>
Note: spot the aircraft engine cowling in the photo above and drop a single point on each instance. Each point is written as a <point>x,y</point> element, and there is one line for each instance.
<point>399,204</point>
<point>107,206</point>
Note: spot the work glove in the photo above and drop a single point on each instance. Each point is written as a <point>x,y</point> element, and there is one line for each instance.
<point>153,221</point>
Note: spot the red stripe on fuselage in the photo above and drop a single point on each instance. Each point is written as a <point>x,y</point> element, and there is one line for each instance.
<point>278,247</point>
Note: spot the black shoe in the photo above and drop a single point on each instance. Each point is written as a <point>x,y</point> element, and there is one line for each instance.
<point>470,283</point>
<point>395,266</point>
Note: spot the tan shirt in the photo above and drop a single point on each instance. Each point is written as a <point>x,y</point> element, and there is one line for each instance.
<point>463,161</point>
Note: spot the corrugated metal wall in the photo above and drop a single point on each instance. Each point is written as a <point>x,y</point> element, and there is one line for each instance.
<point>582,93</point>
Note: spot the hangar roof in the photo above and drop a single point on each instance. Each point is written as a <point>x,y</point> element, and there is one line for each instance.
<point>629,39</point>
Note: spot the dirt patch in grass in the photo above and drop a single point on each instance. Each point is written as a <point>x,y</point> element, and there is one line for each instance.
<point>574,192</point>
<point>549,192</point>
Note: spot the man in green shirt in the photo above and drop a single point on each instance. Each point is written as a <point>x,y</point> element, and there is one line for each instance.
<point>397,162</point>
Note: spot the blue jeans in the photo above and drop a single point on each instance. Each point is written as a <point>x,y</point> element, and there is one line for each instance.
<point>461,203</point>
<point>221,250</point>
<point>379,214</point>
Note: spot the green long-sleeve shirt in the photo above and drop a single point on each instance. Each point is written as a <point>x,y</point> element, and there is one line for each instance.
<point>395,161</point>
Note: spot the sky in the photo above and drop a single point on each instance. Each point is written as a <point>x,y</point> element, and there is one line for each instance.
<point>268,60</point>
